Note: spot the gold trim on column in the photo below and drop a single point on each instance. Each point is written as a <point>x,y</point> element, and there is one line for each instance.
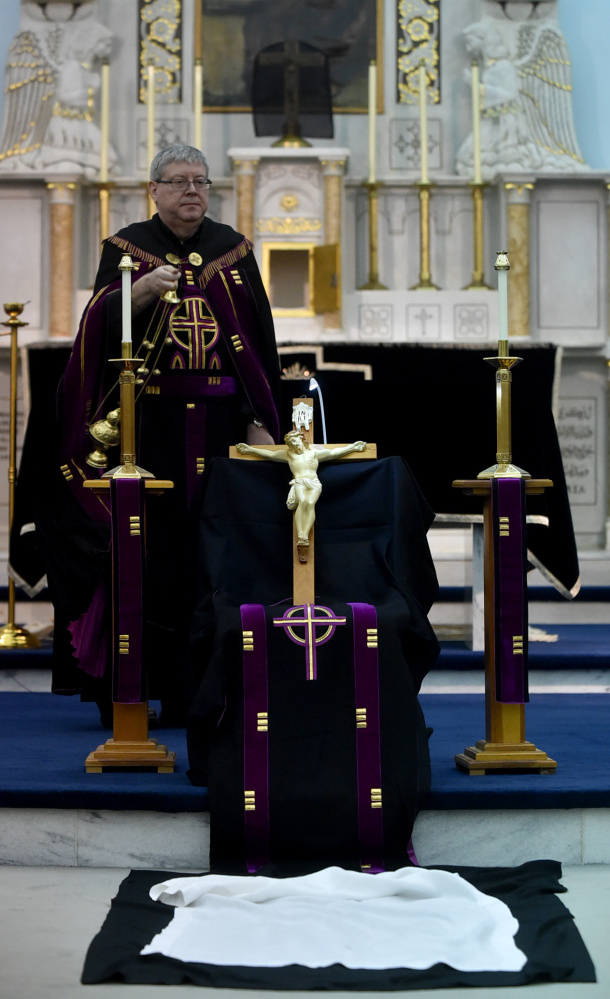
<point>61,255</point>
<point>519,250</point>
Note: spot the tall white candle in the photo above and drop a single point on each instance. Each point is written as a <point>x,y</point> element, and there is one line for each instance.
<point>126,268</point>
<point>197,102</point>
<point>476,122</point>
<point>372,120</point>
<point>197,73</point>
<point>502,266</point>
<point>104,120</point>
<point>150,107</point>
<point>423,123</point>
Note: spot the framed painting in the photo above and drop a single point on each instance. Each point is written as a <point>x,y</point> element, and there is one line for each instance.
<point>349,32</point>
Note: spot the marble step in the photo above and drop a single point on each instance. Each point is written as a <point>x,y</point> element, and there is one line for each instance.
<point>180,841</point>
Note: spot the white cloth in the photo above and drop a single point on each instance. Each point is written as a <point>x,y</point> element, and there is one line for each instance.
<point>411,918</point>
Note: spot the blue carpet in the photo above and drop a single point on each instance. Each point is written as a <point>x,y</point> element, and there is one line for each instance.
<point>45,740</point>
<point>461,594</point>
<point>578,646</point>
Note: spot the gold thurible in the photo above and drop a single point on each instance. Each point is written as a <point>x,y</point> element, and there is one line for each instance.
<point>503,363</point>
<point>373,283</point>
<point>11,635</point>
<point>425,281</point>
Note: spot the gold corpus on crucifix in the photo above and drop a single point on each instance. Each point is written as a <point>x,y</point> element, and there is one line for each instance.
<point>425,283</point>
<point>478,272</point>
<point>11,635</point>
<point>130,746</point>
<point>373,283</point>
<point>302,457</point>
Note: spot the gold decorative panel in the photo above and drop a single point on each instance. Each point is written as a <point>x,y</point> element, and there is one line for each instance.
<point>418,38</point>
<point>161,44</point>
<point>288,226</point>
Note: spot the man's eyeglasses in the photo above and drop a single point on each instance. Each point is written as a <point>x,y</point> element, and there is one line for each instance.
<point>182,184</point>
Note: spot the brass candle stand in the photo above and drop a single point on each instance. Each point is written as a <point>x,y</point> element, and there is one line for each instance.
<point>505,747</point>
<point>130,746</point>
<point>425,283</point>
<point>373,283</point>
<point>11,635</point>
<point>478,273</point>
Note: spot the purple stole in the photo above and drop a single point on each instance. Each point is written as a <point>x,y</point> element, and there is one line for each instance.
<point>128,564</point>
<point>366,722</point>
<point>510,589</point>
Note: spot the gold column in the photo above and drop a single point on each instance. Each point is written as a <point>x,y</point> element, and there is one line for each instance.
<point>332,171</point>
<point>245,176</point>
<point>61,278</point>
<point>518,196</point>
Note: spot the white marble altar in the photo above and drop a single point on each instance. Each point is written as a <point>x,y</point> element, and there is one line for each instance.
<point>544,201</point>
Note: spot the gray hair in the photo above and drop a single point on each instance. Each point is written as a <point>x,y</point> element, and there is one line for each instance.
<point>176,153</point>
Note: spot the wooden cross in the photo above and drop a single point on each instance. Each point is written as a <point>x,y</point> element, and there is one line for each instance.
<point>292,60</point>
<point>303,561</point>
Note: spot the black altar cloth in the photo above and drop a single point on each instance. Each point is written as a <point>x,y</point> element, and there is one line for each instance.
<point>435,406</point>
<point>371,549</point>
<point>370,531</point>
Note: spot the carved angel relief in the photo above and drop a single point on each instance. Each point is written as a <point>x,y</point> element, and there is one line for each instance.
<point>51,76</point>
<point>526,99</point>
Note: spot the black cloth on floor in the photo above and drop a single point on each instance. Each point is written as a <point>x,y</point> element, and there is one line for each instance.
<point>547,935</point>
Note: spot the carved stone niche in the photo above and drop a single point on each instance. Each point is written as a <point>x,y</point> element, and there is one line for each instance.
<point>289,204</point>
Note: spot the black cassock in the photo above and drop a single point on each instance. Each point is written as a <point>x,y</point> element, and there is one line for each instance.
<point>309,735</point>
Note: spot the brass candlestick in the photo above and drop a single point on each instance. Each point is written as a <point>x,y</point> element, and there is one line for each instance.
<point>104,200</point>
<point>425,282</point>
<point>373,283</point>
<point>503,363</point>
<point>130,745</point>
<point>11,635</point>
<point>127,408</point>
<point>478,273</point>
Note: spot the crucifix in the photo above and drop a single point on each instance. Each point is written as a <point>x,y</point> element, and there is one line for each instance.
<point>303,457</point>
<point>293,58</point>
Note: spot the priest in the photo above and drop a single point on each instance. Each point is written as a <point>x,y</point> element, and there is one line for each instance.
<point>209,375</point>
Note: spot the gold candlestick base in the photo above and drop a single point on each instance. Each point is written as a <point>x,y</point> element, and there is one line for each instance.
<point>373,286</point>
<point>504,470</point>
<point>424,285</point>
<point>477,286</point>
<point>14,637</point>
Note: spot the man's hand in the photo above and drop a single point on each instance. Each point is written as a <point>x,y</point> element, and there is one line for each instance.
<point>153,285</point>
